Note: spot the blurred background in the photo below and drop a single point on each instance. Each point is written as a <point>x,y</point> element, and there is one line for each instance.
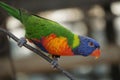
<point>99,19</point>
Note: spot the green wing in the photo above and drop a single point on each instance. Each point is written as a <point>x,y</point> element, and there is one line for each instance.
<point>37,27</point>
<point>44,27</point>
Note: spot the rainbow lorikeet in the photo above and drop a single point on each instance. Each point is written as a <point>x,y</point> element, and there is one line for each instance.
<point>51,37</point>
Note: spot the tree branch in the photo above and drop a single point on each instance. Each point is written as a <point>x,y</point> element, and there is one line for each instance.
<point>40,54</point>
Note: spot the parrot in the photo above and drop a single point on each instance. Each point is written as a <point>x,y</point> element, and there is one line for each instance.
<point>52,37</point>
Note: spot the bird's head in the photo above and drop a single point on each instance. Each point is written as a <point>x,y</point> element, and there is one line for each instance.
<point>88,46</point>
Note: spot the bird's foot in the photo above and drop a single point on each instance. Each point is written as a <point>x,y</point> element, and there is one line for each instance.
<point>22,41</point>
<point>54,63</point>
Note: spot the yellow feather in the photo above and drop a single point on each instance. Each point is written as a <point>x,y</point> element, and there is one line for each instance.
<point>76,41</point>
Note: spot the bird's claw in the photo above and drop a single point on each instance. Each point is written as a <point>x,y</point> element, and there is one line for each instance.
<point>54,63</point>
<point>21,42</point>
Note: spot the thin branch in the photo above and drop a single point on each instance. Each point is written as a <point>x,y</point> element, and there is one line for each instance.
<point>40,54</point>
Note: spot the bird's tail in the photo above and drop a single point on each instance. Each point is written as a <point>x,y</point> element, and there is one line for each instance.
<point>11,10</point>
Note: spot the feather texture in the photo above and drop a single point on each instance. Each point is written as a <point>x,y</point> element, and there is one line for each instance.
<point>55,45</point>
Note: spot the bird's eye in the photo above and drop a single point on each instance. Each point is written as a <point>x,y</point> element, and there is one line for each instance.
<point>91,44</point>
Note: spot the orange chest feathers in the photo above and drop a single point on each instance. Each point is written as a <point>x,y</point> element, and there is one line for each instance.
<point>57,45</point>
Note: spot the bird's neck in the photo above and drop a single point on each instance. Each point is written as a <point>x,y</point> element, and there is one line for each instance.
<point>76,41</point>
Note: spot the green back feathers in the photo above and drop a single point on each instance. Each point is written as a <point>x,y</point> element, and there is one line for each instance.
<point>37,27</point>
<point>44,27</point>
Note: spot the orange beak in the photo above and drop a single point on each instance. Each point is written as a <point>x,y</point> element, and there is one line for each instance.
<point>96,53</point>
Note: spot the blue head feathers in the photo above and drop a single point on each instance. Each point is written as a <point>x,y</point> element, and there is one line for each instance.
<point>87,46</point>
